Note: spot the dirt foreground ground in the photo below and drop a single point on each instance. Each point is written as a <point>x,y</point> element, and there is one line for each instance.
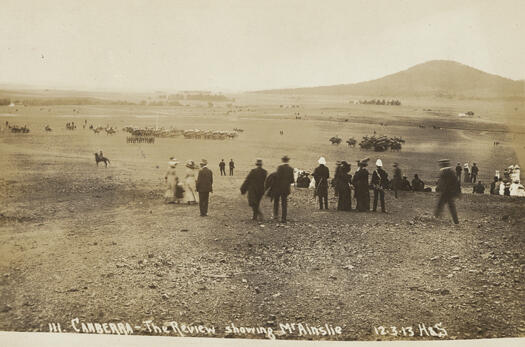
<point>81,245</point>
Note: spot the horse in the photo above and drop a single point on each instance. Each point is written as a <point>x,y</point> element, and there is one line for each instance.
<point>351,142</point>
<point>335,140</point>
<point>99,158</point>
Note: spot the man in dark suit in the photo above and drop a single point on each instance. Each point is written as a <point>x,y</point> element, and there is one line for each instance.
<point>222,167</point>
<point>321,175</point>
<point>254,185</point>
<point>474,172</point>
<point>283,179</point>
<point>204,187</point>
<point>448,187</point>
<point>380,183</point>
<point>232,166</point>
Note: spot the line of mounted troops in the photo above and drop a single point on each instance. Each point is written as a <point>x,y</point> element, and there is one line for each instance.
<point>277,186</point>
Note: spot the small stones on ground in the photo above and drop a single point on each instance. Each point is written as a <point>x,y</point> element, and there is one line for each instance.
<point>165,296</point>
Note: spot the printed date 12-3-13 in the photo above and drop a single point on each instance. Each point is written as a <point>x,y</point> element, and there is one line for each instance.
<point>437,330</point>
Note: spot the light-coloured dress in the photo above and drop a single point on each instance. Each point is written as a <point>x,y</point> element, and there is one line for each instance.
<point>189,186</point>
<point>171,183</point>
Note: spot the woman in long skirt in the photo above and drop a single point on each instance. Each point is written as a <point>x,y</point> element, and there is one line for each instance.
<point>362,190</point>
<point>342,186</point>
<point>189,183</point>
<point>171,181</point>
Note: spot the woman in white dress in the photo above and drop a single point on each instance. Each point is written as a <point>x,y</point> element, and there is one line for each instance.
<point>189,183</point>
<point>171,181</point>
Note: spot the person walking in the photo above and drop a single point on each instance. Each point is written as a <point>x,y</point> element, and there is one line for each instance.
<point>362,191</point>
<point>321,175</point>
<point>396,181</point>
<point>204,186</point>
<point>222,167</point>
<point>189,183</point>
<point>170,178</point>
<point>281,190</point>
<point>448,188</point>
<point>254,185</point>
<point>342,185</point>
<point>474,172</point>
<point>379,182</point>
<point>232,166</point>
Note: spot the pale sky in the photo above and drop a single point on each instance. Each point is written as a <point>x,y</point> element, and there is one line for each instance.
<point>243,45</point>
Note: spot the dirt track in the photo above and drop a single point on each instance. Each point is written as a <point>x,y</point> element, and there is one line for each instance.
<point>99,244</point>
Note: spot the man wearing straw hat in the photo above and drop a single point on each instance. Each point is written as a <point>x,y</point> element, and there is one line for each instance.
<point>204,187</point>
<point>254,185</point>
<point>448,187</point>
<point>283,180</point>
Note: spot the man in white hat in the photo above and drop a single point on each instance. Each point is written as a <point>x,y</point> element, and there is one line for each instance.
<point>204,187</point>
<point>321,175</point>
<point>379,182</point>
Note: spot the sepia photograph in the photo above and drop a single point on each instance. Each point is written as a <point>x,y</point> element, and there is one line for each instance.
<point>234,172</point>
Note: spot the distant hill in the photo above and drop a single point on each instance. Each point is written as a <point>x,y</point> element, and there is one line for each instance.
<point>441,78</point>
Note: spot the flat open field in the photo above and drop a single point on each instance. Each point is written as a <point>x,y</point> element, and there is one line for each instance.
<point>77,240</point>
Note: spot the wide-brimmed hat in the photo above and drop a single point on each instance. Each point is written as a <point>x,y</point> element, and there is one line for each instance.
<point>363,162</point>
<point>258,162</point>
<point>395,164</point>
<point>173,162</point>
<point>444,162</point>
<point>322,161</point>
<point>379,162</point>
<point>285,159</point>
<point>190,164</point>
<point>204,162</point>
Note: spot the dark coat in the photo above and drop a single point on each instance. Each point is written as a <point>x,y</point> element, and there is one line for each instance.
<point>342,185</point>
<point>270,184</point>
<point>283,179</point>
<point>448,183</point>
<point>254,185</point>
<point>458,170</point>
<point>204,181</point>
<point>362,191</point>
<point>321,175</point>
<point>380,178</point>
<point>475,169</point>
<point>418,185</point>
<point>232,165</point>
<point>222,164</point>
